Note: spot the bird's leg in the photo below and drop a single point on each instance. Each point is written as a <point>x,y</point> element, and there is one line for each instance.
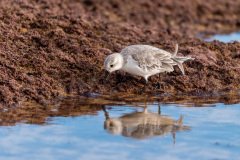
<point>159,107</point>
<point>145,84</point>
<point>144,88</point>
<point>105,112</point>
<point>174,138</point>
<point>159,81</point>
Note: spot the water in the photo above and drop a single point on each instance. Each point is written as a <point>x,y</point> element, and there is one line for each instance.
<point>226,38</point>
<point>74,129</point>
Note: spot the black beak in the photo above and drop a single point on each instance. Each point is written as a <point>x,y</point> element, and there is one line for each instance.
<point>106,75</point>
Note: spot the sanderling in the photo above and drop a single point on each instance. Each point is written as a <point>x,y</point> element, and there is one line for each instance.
<point>143,124</point>
<point>145,61</point>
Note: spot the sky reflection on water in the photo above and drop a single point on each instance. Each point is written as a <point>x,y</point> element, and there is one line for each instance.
<point>226,38</point>
<point>213,133</point>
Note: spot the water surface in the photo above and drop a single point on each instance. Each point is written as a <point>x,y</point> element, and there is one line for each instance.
<point>226,38</point>
<point>144,128</point>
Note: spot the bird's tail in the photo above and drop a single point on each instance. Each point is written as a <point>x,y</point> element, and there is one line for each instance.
<point>180,120</point>
<point>180,59</point>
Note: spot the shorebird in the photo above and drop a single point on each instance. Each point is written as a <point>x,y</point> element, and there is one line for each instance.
<point>145,124</point>
<point>145,61</point>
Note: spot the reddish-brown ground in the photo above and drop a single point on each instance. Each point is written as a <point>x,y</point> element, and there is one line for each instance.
<point>50,48</point>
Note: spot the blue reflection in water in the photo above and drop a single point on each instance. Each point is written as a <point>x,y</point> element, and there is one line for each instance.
<point>226,38</point>
<point>214,134</point>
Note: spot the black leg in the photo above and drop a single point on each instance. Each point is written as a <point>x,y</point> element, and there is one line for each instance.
<point>144,88</point>
<point>159,81</point>
<point>159,107</point>
<point>105,112</point>
<point>174,138</point>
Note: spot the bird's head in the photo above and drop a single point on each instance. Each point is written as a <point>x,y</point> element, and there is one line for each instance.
<point>114,126</point>
<point>113,62</point>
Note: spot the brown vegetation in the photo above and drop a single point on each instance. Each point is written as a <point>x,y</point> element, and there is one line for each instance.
<point>50,48</point>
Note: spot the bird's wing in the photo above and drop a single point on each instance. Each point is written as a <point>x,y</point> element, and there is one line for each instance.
<point>149,58</point>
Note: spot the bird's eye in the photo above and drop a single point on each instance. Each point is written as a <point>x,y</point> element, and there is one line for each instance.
<point>111,65</point>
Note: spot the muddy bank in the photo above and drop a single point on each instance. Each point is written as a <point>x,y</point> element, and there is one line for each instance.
<point>53,48</point>
<point>32,113</point>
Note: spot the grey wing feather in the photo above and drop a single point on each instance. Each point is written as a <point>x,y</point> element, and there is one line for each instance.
<point>179,65</point>
<point>149,57</point>
<point>167,66</point>
<point>175,51</point>
<point>170,61</point>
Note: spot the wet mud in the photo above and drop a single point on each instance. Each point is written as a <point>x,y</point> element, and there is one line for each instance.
<point>50,49</point>
<point>32,113</point>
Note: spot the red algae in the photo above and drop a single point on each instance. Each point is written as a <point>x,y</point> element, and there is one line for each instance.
<point>50,48</point>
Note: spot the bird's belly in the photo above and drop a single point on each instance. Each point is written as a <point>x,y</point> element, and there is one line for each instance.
<point>134,69</point>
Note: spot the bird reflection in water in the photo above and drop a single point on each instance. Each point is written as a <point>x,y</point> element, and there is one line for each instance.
<point>142,125</point>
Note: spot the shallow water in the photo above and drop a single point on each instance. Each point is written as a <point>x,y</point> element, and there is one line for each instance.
<point>74,129</point>
<point>226,38</point>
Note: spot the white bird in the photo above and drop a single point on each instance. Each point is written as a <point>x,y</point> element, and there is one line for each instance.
<point>145,61</point>
<point>143,124</point>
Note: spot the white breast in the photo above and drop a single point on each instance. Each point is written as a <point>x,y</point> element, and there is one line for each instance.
<point>132,67</point>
